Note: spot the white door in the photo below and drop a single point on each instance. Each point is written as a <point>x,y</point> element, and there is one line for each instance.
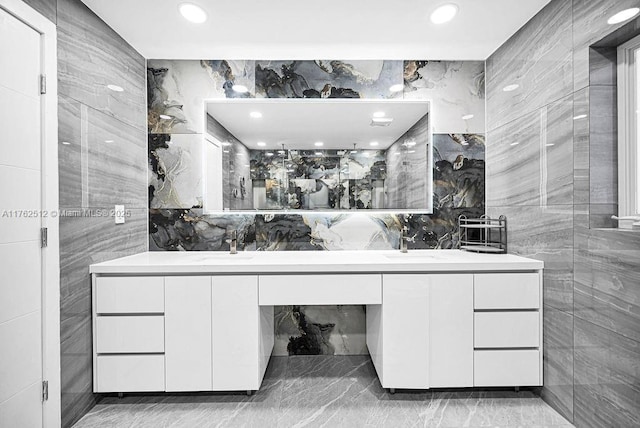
<point>20,201</point>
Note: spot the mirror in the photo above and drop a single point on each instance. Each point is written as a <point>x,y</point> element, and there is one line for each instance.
<point>317,155</point>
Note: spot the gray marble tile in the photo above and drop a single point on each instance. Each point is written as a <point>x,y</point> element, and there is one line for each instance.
<point>558,361</point>
<point>589,26</point>
<point>103,163</point>
<point>606,283</point>
<point>603,145</point>
<point>456,90</point>
<point>46,7</point>
<point>603,62</point>
<point>91,56</point>
<point>530,160</point>
<point>600,215</point>
<point>538,59</point>
<point>607,378</point>
<point>581,146</point>
<point>544,233</point>
<point>86,240</point>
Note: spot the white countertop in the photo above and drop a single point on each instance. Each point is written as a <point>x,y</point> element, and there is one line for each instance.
<point>212,262</point>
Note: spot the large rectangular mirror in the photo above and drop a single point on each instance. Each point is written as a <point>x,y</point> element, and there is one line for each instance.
<point>317,154</point>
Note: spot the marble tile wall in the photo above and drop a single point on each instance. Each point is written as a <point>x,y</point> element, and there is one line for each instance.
<point>555,136</point>
<point>176,90</point>
<point>102,162</point>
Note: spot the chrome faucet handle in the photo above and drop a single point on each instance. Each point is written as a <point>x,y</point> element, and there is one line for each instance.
<point>233,241</point>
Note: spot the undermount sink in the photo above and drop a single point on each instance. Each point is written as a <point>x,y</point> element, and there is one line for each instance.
<point>226,256</point>
<point>409,255</point>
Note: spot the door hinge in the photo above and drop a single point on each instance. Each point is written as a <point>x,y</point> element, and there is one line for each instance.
<point>44,240</point>
<point>45,390</point>
<point>43,84</point>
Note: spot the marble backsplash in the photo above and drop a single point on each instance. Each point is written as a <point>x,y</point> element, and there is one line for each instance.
<point>176,122</point>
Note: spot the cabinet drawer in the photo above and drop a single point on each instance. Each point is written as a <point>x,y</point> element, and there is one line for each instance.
<point>506,330</point>
<point>129,334</point>
<point>129,294</point>
<point>320,290</point>
<point>506,291</point>
<point>130,373</point>
<point>506,368</point>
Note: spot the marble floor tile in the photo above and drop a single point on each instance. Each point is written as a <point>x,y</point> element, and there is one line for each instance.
<point>326,391</point>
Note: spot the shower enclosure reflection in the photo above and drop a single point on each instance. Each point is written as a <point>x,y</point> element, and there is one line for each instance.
<point>325,155</point>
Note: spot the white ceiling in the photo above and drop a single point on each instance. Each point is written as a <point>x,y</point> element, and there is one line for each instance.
<point>330,29</point>
<point>338,124</point>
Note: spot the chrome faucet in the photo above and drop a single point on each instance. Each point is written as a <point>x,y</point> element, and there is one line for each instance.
<point>405,238</point>
<point>233,241</point>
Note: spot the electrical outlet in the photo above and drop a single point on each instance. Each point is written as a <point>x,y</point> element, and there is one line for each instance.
<point>119,214</point>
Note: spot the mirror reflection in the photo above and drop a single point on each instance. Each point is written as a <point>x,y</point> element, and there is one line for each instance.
<point>324,155</point>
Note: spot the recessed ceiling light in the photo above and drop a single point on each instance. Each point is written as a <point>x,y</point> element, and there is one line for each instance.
<point>396,88</point>
<point>318,153</point>
<point>108,141</point>
<point>66,143</point>
<point>262,143</point>
<point>373,143</point>
<point>115,88</point>
<point>382,120</point>
<point>225,151</point>
<point>318,144</point>
<point>240,89</point>
<point>444,13</point>
<point>623,16</point>
<point>226,143</point>
<point>269,153</point>
<point>515,143</point>
<point>165,117</point>
<point>379,114</point>
<point>550,144</point>
<point>411,151</point>
<point>354,151</point>
<point>255,115</point>
<point>281,152</point>
<point>580,116</point>
<point>192,13</point>
<point>467,117</point>
<point>410,143</point>
<point>510,88</point>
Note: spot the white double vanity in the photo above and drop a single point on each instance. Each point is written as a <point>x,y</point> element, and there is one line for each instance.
<point>203,321</point>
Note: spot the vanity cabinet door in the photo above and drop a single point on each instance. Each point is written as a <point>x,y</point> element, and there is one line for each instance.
<point>450,331</point>
<point>404,329</point>
<point>188,333</point>
<point>236,333</point>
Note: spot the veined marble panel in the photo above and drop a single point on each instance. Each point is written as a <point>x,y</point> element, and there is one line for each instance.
<point>607,378</point>
<point>177,90</point>
<point>590,25</point>
<point>537,59</point>
<point>603,147</point>
<point>91,56</point>
<point>191,230</point>
<point>327,79</point>
<point>320,330</point>
<point>48,8</point>
<point>530,160</point>
<point>175,171</point>
<point>558,361</point>
<point>456,90</point>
